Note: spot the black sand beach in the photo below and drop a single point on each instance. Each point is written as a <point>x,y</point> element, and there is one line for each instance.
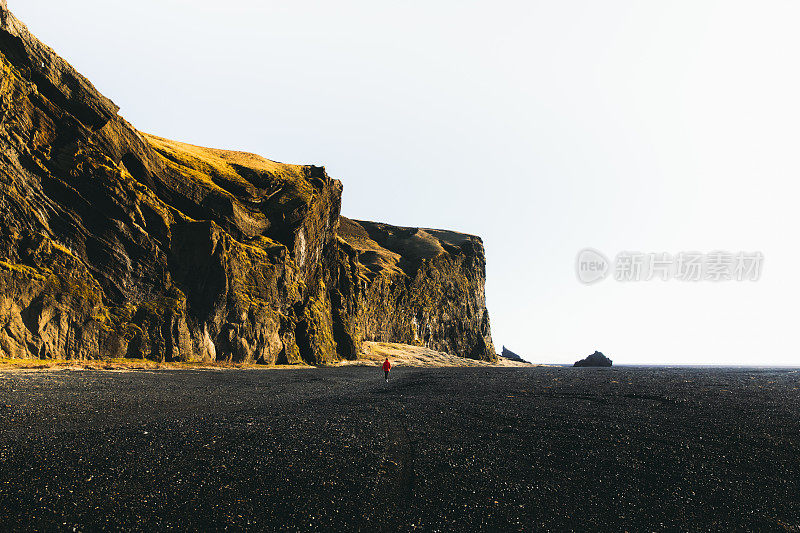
<point>435,449</point>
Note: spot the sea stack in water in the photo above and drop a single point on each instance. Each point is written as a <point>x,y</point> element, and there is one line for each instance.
<point>116,243</point>
<point>596,359</point>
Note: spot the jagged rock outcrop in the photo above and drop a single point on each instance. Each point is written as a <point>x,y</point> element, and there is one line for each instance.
<point>410,285</point>
<point>508,354</point>
<point>117,243</point>
<point>595,359</point>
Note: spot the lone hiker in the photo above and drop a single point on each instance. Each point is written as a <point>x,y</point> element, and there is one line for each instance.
<point>386,367</point>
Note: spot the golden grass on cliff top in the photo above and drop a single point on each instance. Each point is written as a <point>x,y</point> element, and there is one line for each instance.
<point>220,161</point>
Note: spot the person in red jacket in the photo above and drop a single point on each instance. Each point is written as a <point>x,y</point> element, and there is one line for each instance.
<point>386,367</point>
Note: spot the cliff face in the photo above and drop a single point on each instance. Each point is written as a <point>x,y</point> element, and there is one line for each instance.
<point>116,243</point>
<point>411,285</point>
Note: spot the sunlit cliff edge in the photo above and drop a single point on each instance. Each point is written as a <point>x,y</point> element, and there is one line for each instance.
<point>119,244</point>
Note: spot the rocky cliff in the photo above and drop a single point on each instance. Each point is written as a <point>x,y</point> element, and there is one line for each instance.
<point>115,243</point>
<point>410,285</point>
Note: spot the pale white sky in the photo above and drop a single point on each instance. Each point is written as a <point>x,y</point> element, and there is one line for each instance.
<point>544,127</point>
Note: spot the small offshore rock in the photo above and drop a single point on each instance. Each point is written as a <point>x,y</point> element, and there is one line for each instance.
<point>596,359</point>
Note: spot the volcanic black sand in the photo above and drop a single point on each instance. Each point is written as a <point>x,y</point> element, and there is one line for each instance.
<point>435,449</point>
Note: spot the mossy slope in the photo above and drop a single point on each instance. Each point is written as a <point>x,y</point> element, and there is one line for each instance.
<point>116,243</point>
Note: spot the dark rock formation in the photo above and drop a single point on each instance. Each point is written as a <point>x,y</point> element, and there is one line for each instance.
<point>410,285</point>
<point>115,243</point>
<point>508,354</point>
<point>596,359</point>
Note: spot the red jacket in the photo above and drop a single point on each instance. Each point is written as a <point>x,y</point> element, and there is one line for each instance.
<point>387,365</point>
